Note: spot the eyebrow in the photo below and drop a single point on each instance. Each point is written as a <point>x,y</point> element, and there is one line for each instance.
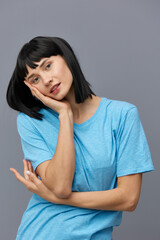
<point>39,66</point>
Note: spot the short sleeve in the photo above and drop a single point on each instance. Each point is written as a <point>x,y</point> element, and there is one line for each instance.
<point>33,145</point>
<point>133,154</point>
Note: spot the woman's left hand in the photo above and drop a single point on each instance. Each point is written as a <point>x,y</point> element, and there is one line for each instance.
<point>33,183</point>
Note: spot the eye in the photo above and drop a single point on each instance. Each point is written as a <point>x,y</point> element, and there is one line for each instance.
<point>48,65</point>
<point>33,81</point>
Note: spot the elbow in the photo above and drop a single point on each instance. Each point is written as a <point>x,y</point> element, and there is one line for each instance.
<point>63,194</point>
<point>131,205</point>
<point>63,191</point>
<point>58,193</point>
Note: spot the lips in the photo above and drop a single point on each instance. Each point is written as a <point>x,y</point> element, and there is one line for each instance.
<point>54,87</point>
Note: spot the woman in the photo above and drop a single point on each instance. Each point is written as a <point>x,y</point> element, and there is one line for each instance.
<point>84,154</point>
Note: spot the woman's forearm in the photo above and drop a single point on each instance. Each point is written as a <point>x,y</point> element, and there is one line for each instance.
<point>114,199</point>
<point>60,171</point>
<point>123,198</point>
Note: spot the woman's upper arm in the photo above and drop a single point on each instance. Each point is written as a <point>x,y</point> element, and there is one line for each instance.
<point>41,169</point>
<point>131,184</point>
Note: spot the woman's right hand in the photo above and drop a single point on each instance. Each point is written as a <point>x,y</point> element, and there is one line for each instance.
<point>58,106</point>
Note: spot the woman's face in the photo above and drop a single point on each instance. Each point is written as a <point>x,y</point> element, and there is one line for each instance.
<point>50,71</point>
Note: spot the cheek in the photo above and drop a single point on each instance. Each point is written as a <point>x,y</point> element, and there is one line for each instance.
<point>63,72</point>
<point>68,75</point>
<point>40,89</point>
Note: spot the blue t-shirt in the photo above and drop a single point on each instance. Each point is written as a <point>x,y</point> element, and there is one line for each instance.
<point>110,144</point>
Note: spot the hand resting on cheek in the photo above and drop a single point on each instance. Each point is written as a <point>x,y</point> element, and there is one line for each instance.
<point>58,106</point>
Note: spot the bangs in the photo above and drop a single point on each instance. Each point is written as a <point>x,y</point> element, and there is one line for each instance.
<point>33,52</point>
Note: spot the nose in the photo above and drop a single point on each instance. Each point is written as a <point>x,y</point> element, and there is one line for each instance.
<point>47,79</point>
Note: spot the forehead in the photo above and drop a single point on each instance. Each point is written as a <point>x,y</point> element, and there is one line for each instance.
<point>38,63</point>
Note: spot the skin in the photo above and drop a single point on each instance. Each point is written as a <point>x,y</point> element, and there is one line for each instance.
<point>123,198</point>
<point>55,70</point>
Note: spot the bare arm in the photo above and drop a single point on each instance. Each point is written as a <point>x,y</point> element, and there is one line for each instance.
<point>59,172</point>
<point>123,198</point>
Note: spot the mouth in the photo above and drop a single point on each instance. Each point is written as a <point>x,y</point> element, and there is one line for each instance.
<point>54,87</point>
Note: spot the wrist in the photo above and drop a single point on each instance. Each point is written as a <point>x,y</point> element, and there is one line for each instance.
<point>66,113</point>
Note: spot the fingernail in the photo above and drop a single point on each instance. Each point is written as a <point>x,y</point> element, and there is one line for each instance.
<point>28,172</point>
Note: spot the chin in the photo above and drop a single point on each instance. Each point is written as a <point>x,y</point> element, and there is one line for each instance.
<point>58,98</point>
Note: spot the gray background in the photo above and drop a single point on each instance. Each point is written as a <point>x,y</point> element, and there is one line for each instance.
<point>117,44</point>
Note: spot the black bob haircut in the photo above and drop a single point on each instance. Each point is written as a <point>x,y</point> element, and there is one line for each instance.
<point>19,96</point>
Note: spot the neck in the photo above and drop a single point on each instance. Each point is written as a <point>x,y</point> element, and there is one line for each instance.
<point>79,109</point>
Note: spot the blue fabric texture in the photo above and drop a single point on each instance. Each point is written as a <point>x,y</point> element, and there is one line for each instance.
<point>110,144</point>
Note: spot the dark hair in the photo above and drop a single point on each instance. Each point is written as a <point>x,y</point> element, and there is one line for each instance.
<point>19,96</point>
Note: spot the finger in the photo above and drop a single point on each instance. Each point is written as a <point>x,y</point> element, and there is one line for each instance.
<point>34,178</point>
<point>30,85</point>
<point>19,177</point>
<point>28,168</point>
<point>31,168</point>
<point>32,88</point>
<point>38,94</point>
<point>25,169</point>
<point>28,183</point>
<point>35,92</point>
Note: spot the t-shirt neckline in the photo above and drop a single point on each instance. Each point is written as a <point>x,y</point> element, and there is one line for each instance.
<point>88,121</point>
<point>91,119</point>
